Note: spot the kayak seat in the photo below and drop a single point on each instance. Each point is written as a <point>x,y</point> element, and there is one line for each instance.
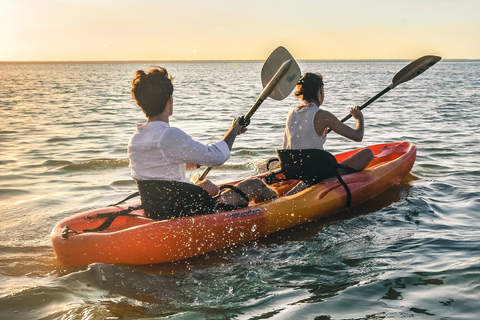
<point>165,199</point>
<point>309,165</point>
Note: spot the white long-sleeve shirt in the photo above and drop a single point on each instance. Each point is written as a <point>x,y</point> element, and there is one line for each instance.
<point>159,152</point>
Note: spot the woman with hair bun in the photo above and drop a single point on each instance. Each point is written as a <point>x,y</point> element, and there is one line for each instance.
<point>307,124</point>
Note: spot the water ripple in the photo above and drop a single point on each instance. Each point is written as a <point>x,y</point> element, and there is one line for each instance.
<point>413,252</point>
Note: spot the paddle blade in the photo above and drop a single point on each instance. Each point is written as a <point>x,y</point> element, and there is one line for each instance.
<point>288,81</point>
<point>414,69</point>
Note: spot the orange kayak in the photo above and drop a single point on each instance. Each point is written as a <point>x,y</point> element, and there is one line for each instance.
<point>136,240</point>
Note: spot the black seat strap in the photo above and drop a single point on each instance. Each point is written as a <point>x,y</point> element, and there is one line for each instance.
<point>110,218</point>
<point>347,189</point>
<point>347,168</point>
<point>133,195</point>
<point>237,190</point>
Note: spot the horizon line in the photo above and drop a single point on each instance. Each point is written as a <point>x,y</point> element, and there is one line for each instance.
<point>213,60</point>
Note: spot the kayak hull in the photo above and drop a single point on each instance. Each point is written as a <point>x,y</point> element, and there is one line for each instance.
<point>137,240</point>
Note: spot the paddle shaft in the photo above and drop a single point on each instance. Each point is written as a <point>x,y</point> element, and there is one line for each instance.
<point>245,121</point>
<point>409,72</point>
<point>367,103</point>
<point>266,92</point>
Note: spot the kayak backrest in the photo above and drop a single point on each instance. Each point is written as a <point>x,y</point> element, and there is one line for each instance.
<point>165,199</point>
<point>309,165</point>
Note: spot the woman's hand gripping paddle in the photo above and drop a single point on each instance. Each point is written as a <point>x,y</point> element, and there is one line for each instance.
<point>409,72</point>
<point>280,74</point>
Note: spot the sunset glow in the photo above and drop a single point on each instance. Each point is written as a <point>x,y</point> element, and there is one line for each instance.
<point>86,30</point>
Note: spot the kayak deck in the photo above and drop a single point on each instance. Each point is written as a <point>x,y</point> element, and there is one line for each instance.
<point>134,239</point>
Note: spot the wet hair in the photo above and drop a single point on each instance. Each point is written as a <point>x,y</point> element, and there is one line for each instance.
<point>151,90</point>
<point>308,86</point>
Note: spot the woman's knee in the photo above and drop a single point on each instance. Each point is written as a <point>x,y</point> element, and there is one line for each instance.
<point>367,153</point>
<point>359,160</point>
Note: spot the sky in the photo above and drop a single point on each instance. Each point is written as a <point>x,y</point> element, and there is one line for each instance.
<point>165,30</point>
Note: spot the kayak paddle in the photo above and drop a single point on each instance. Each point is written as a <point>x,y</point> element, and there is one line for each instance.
<point>280,74</point>
<point>409,72</point>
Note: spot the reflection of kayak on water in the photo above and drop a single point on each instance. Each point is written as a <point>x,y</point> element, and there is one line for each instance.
<point>134,239</point>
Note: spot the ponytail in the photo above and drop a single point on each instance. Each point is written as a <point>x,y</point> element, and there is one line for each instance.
<point>308,86</point>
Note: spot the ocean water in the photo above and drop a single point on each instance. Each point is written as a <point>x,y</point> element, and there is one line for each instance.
<point>413,252</point>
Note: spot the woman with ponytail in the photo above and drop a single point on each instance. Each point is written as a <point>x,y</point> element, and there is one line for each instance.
<point>307,124</point>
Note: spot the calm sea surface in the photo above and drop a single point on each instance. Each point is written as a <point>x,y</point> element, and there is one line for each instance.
<point>414,252</point>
